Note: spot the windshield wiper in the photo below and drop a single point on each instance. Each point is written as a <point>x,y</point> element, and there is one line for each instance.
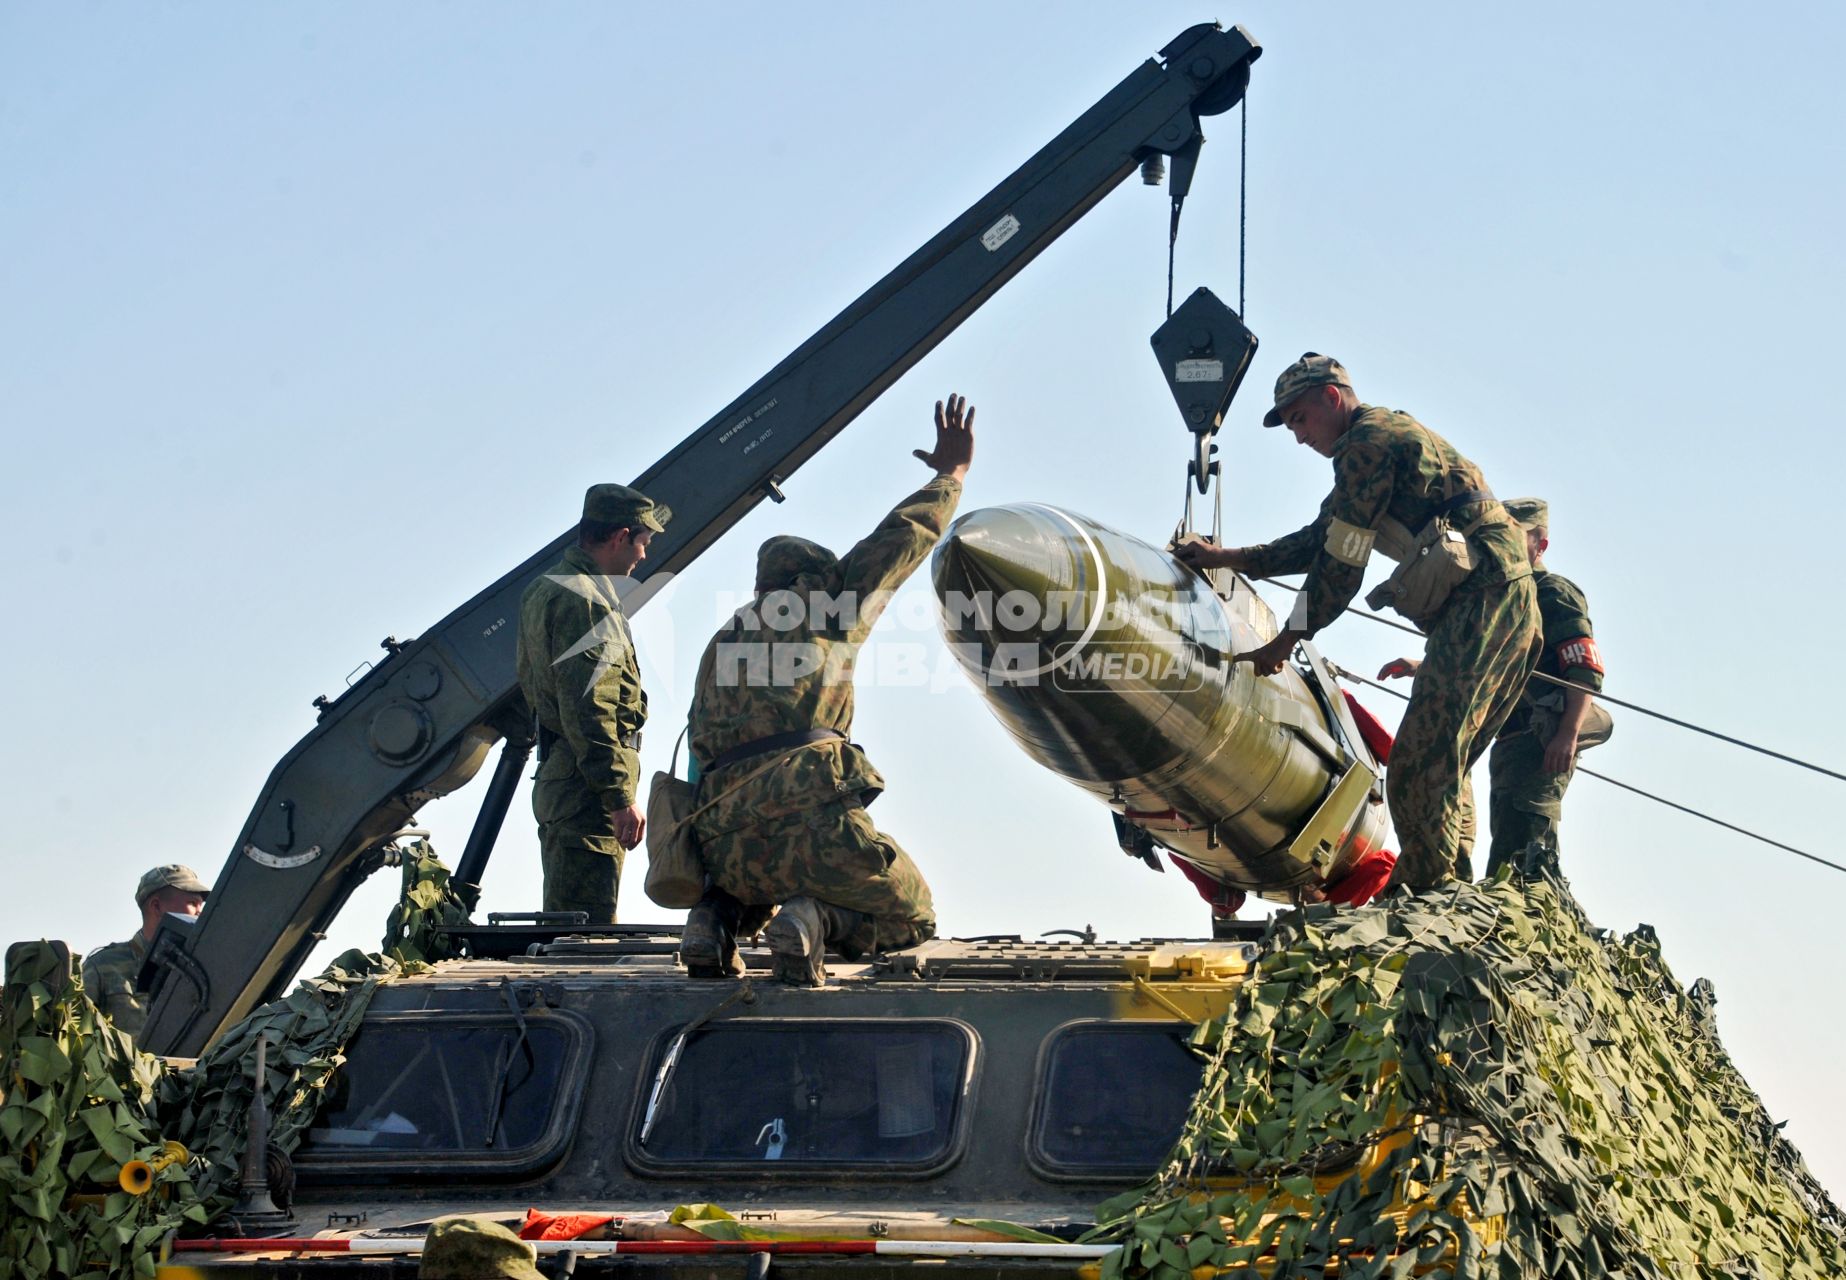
<point>743,993</point>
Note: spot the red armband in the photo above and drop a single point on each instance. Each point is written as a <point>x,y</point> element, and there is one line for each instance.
<point>1580,652</point>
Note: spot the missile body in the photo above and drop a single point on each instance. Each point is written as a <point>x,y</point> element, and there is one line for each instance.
<point>1109,661</point>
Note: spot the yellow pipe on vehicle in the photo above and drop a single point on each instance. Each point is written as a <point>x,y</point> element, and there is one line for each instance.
<point>137,1176</point>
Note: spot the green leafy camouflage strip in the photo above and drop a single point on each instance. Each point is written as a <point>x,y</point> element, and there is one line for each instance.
<point>79,1102</point>
<point>76,1107</point>
<point>430,901</point>
<point>1472,1082</point>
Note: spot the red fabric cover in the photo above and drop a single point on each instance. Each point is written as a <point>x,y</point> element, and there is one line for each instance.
<point>1224,900</point>
<point>561,1226</point>
<point>1377,737</point>
<point>1368,877</point>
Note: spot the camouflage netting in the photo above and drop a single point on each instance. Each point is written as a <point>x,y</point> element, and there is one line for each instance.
<point>1532,1097</point>
<point>78,1106</point>
<point>429,901</point>
<point>80,1102</point>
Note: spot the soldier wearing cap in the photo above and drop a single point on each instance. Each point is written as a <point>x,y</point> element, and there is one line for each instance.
<point>783,790</point>
<point>109,972</point>
<point>1535,756</point>
<point>1401,487</point>
<point>473,1249</point>
<point>577,669</point>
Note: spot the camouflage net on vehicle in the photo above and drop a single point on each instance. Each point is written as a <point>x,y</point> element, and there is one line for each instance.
<point>430,900</point>
<point>78,1106</point>
<point>1472,1082</point>
<point>80,1103</point>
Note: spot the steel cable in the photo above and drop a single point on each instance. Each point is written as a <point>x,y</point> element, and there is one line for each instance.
<point>1616,702</point>
<point>1344,674</point>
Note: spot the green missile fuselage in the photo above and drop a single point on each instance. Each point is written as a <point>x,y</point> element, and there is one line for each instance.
<point>1110,662</point>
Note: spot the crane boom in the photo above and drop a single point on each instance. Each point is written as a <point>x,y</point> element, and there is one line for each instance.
<point>422,722</point>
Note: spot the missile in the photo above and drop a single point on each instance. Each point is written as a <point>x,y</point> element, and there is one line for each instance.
<point>1109,661</point>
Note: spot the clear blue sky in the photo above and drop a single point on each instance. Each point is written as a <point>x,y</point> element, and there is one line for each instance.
<point>317,318</point>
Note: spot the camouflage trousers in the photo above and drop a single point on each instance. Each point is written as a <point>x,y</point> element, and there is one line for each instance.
<point>578,849</point>
<point>1526,803</point>
<point>1481,649</point>
<point>834,854</point>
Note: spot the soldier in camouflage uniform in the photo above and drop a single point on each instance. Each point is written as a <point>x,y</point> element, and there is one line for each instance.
<point>1535,756</point>
<point>1393,477</point>
<point>785,823</point>
<point>577,669</point>
<point>109,972</point>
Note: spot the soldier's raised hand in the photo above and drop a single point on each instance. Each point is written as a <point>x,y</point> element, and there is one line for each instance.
<point>954,438</point>
<point>1398,668</point>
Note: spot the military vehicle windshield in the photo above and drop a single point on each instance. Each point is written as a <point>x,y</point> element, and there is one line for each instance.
<point>490,1089</point>
<point>1113,1098</point>
<point>803,1092</point>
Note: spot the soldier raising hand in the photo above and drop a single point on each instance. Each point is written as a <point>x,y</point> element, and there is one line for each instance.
<point>770,726</point>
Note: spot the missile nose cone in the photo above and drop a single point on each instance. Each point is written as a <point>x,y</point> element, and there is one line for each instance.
<point>998,568</point>
<point>993,550</point>
<point>1080,637</point>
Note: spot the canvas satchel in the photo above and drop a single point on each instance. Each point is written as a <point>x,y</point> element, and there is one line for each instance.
<point>675,872</point>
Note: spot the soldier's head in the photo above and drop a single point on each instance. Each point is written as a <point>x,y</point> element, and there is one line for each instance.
<point>166,891</point>
<point>618,523</point>
<point>783,561</point>
<point>1314,400</point>
<point>1533,516</point>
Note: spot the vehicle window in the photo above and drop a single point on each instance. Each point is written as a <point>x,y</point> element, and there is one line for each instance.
<point>416,1086</point>
<point>1114,1097</point>
<point>775,1094</point>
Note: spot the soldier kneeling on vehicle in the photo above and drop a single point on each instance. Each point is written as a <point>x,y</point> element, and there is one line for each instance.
<point>782,790</point>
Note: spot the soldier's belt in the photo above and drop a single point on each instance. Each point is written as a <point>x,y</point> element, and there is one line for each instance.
<point>547,739</point>
<point>774,742</point>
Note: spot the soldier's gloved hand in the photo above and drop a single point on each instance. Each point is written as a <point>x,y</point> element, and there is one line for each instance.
<point>1399,668</point>
<point>629,826</point>
<point>954,449</point>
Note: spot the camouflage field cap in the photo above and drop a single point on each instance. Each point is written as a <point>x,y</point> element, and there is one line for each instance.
<point>172,876</point>
<point>618,504</point>
<point>469,1249</point>
<point>1312,370</point>
<point>784,559</point>
<point>1531,513</point>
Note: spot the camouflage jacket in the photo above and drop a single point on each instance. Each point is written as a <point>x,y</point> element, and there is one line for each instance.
<point>109,980</point>
<point>1570,647</point>
<point>577,669</point>
<point>784,663</point>
<point>1390,474</point>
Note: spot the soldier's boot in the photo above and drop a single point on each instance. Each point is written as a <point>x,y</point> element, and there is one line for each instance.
<point>708,943</point>
<point>797,938</point>
<point>801,933</point>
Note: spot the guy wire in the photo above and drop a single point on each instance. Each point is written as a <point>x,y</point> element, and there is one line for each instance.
<point>1344,674</point>
<point>1594,693</point>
